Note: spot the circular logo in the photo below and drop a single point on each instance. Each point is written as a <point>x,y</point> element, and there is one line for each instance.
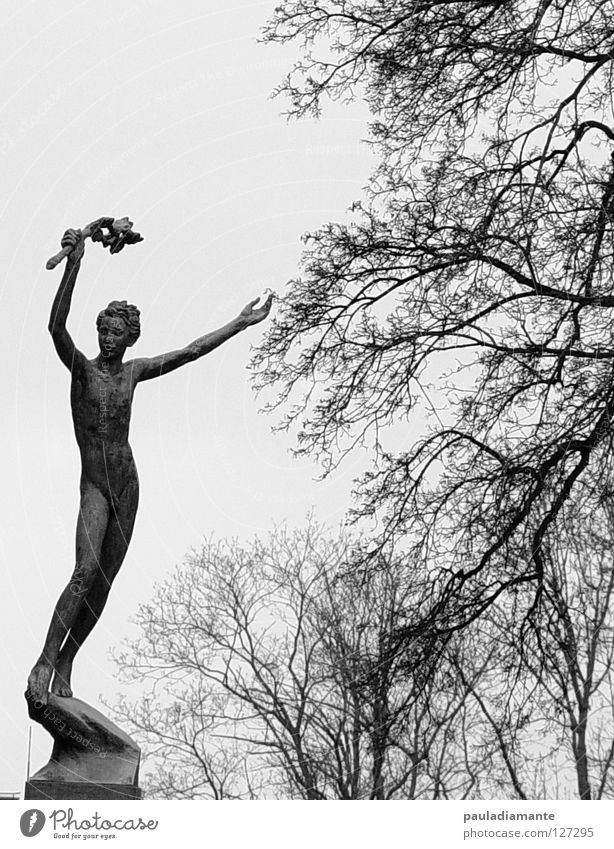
<point>32,822</point>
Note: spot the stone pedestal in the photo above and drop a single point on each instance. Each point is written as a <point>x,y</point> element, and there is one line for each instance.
<point>74,790</point>
<point>91,759</point>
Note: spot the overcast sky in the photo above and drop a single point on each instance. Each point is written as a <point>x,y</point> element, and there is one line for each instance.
<point>162,112</point>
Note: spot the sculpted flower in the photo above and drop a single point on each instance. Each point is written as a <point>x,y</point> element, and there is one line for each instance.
<point>120,234</point>
<point>122,225</point>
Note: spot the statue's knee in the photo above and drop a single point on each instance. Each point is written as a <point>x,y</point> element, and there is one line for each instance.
<point>83,577</point>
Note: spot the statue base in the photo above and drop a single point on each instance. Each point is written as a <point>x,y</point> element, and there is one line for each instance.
<point>74,790</point>
<point>91,759</point>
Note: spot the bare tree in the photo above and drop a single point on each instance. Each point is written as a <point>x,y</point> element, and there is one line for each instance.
<point>571,651</point>
<point>273,670</point>
<point>472,290</point>
<point>274,674</point>
<point>546,703</point>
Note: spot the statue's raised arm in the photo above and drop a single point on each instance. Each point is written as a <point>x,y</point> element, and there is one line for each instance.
<point>62,340</point>
<point>146,368</point>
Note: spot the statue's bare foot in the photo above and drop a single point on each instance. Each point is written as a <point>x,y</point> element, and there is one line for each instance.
<point>61,679</point>
<point>38,682</point>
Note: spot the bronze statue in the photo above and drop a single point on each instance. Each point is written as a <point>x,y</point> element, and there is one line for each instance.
<point>101,394</point>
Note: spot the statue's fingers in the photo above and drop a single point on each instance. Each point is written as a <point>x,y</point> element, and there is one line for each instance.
<point>71,237</point>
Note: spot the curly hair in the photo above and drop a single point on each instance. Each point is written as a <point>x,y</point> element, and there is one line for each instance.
<point>128,313</point>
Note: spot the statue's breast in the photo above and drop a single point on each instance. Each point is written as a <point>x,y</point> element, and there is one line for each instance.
<point>103,394</point>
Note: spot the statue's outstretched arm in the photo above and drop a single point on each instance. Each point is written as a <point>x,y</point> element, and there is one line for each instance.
<point>148,367</point>
<point>64,345</point>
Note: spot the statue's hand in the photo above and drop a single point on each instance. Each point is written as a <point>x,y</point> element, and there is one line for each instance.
<point>249,315</point>
<point>74,240</point>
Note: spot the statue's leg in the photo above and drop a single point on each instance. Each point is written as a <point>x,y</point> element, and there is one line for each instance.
<point>91,528</point>
<point>114,547</point>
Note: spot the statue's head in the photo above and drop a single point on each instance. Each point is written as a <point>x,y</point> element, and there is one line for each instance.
<point>119,326</point>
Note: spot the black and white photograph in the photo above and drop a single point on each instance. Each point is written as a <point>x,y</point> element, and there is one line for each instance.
<point>308,418</point>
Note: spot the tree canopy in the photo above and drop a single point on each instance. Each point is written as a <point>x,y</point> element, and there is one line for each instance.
<point>264,670</point>
<point>470,294</point>
<point>272,677</point>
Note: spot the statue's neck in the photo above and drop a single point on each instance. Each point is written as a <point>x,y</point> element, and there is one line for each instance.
<point>109,365</point>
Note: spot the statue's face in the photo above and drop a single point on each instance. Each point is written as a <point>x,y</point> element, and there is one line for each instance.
<point>113,337</point>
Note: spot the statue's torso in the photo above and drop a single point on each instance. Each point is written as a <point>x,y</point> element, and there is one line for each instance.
<point>101,406</point>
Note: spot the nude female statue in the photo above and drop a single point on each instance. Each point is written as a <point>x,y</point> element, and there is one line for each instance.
<point>101,400</point>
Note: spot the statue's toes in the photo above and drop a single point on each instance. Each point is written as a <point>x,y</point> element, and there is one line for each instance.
<point>38,683</point>
<point>60,686</point>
